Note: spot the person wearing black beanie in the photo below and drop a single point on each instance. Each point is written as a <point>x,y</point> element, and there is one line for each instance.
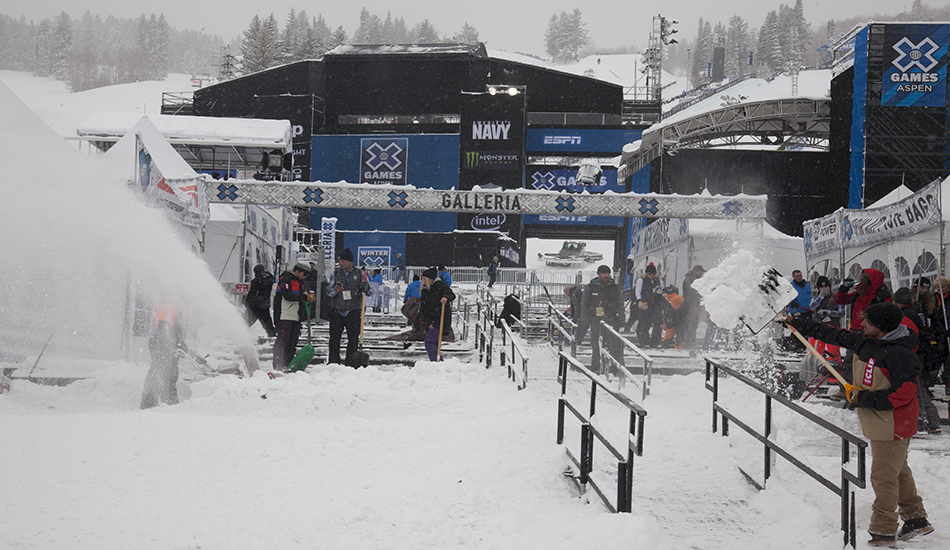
<point>884,373</point>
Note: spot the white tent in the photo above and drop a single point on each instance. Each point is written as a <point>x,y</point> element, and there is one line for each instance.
<point>237,238</point>
<point>903,235</point>
<point>676,245</point>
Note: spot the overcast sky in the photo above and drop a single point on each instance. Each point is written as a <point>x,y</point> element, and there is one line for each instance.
<point>512,25</point>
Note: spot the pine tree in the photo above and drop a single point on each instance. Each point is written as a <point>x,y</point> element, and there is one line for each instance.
<point>387,30</point>
<point>771,60</point>
<point>737,45</point>
<point>400,34</point>
<point>577,35</point>
<point>60,43</point>
<point>702,51</point>
<point>260,46</point>
<point>338,38</point>
<point>370,30</point>
<point>468,35</point>
<point>553,38</point>
<point>424,33</point>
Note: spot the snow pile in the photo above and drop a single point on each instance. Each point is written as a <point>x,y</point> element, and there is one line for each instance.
<point>731,289</point>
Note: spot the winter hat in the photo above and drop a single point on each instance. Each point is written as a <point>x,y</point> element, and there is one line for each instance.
<point>671,290</point>
<point>651,269</point>
<point>902,297</point>
<point>822,281</point>
<point>302,268</point>
<point>431,273</point>
<point>698,267</point>
<point>346,254</point>
<point>884,315</point>
<point>258,269</point>
<point>603,269</point>
<point>924,282</point>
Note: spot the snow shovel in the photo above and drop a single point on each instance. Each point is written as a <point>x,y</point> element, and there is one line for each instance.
<point>764,306</point>
<point>438,349</point>
<point>305,355</point>
<point>850,391</point>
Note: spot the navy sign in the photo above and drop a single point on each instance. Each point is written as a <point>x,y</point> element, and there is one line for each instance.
<point>383,161</point>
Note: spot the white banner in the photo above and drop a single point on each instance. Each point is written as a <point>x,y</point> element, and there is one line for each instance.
<point>822,235</point>
<point>905,217</point>
<point>328,239</point>
<point>661,233</point>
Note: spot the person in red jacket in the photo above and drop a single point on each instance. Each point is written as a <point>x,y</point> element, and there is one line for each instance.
<point>884,371</point>
<point>870,290</point>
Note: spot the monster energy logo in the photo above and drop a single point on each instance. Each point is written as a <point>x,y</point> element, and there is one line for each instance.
<point>491,160</point>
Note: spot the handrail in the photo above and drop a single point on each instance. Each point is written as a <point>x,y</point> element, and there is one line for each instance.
<point>520,378</point>
<point>847,439</point>
<point>585,464</point>
<point>606,357</point>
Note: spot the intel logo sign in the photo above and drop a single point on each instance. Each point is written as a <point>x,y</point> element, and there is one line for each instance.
<point>488,222</point>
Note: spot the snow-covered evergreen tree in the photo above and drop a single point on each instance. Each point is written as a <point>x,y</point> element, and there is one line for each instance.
<point>566,35</point>
<point>260,48</point>
<point>702,52</point>
<point>59,45</point>
<point>468,35</point>
<point>400,32</point>
<point>339,37</point>
<point>424,33</point>
<point>370,30</point>
<point>770,58</point>
<point>737,47</point>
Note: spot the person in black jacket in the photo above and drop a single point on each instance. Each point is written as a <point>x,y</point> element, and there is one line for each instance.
<point>650,329</point>
<point>346,289</point>
<point>257,300</point>
<point>692,303</point>
<point>603,301</point>
<point>435,295</point>
<point>884,371</point>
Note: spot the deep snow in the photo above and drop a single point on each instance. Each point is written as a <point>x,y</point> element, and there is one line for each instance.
<point>438,455</point>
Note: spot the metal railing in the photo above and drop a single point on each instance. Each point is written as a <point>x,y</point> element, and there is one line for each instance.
<point>607,361</point>
<point>484,327</point>
<point>520,377</point>
<point>713,370</point>
<point>589,434</point>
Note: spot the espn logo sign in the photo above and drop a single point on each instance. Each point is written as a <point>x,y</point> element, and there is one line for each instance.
<point>562,140</point>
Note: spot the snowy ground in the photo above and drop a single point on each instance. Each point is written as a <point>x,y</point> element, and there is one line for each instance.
<point>437,455</point>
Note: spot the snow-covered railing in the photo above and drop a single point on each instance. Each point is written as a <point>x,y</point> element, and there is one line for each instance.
<point>582,464</point>
<point>609,363</point>
<point>508,337</point>
<point>713,371</point>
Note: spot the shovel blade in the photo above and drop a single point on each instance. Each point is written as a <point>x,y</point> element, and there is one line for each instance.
<point>302,359</point>
<point>774,294</point>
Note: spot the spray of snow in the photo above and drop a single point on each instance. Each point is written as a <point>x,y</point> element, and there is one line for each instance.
<point>80,250</point>
<point>731,289</point>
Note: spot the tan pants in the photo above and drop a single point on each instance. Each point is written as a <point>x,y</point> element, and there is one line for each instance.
<point>894,488</point>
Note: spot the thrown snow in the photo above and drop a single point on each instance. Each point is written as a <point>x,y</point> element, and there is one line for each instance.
<point>731,289</point>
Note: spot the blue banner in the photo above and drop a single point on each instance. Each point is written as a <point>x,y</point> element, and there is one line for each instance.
<point>579,141</point>
<point>915,65</point>
<point>383,160</point>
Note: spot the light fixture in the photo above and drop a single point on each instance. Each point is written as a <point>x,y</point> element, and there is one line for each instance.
<point>492,90</point>
<point>512,91</point>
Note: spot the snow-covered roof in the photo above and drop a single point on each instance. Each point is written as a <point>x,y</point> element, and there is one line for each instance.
<point>198,130</point>
<point>477,49</point>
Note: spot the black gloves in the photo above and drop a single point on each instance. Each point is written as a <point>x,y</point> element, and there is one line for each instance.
<point>364,287</point>
<point>844,289</point>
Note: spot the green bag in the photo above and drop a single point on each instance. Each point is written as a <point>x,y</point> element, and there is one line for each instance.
<point>305,355</point>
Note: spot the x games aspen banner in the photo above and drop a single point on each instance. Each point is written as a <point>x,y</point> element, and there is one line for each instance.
<point>383,160</point>
<point>915,66</point>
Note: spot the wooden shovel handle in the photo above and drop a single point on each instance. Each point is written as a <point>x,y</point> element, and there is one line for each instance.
<point>438,350</point>
<point>818,355</point>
